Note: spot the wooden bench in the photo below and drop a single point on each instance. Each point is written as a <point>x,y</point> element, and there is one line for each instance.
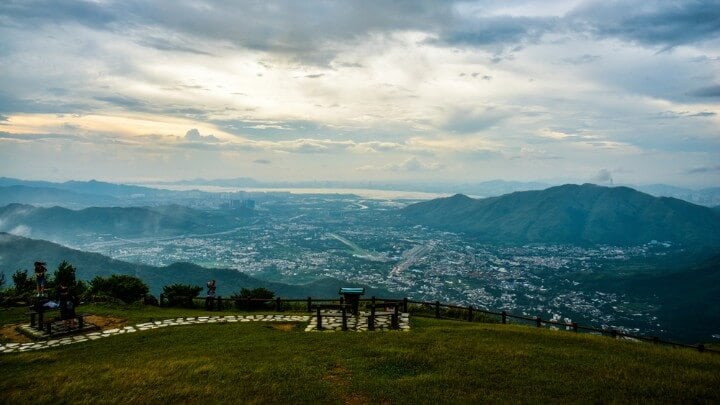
<point>342,313</point>
<point>37,318</point>
<point>394,313</point>
<point>48,324</point>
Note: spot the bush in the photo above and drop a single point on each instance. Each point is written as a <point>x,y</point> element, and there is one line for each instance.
<point>150,300</point>
<point>241,298</point>
<point>181,295</point>
<point>123,287</point>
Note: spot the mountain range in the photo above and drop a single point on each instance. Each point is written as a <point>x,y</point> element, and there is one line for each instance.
<point>98,193</point>
<point>576,214</point>
<point>20,253</point>
<point>59,224</point>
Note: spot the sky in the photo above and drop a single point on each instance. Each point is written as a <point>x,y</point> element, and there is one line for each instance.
<point>626,92</point>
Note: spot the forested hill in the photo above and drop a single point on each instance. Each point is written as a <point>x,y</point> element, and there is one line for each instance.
<point>577,214</point>
<point>57,223</point>
<point>20,253</point>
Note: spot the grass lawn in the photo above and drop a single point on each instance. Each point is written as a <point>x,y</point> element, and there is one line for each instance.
<point>438,361</point>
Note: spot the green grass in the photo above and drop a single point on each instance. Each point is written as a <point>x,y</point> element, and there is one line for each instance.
<point>437,362</point>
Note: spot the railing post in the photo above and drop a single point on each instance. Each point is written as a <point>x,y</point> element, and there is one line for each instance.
<point>437,309</point>
<point>162,298</point>
<point>49,328</point>
<point>395,319</point>
<point>504,317</point>
<point>249,302</point>
<point>371,318</point>
<point>32,319</point>
<point>470,313</point>
<point>344,318</point>
<point>538,321</point>
<point>41,320</point>
<point>342,300</point>
<point>309,304</point>
<point>405,304</point>
<point>575,327</point>
<point>81,322</point>
<point>373,300</point>
<point>319,319</point>
<point>278,304</point>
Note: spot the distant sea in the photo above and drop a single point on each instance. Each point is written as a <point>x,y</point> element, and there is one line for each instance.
<point>360,192</point>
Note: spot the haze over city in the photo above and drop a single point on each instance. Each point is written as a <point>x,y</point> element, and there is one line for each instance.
<point>419,90</point>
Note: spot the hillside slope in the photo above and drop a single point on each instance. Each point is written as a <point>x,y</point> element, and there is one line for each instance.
<point>436,362</point>
<point>575,214</point>
<point>57,223</point>
<point>20,253</point>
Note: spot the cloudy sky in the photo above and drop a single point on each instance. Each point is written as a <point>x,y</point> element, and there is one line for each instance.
<point>564,90</point>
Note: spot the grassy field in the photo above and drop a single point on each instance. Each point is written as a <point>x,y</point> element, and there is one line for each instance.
<point>438,361</point>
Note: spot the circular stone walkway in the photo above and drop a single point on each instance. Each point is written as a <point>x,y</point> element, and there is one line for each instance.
<point>67,340</point>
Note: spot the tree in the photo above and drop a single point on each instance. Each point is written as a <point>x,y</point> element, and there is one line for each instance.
<point>22,282</point>
<point>181,294</point>
<point>65,275</point>
<point>123,287</point>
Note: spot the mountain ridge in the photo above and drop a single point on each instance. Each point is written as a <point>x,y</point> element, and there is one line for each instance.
<point>572,214</point>
<point>17,252</point>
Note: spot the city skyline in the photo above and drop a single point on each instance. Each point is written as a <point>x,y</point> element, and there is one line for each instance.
<point>403,91</point>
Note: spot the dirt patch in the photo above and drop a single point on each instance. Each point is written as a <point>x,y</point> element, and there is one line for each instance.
<point>356,399</point>
<point>106,322</point>
<point>8,333</point>
<point>337,374</point>
<point>285,327</point>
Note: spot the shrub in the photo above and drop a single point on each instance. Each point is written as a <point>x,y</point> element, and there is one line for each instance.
<point>123,287</point>
<point>65,274</point>
<point>150,300</point>
<point>181,295</point>
<point>241,298</point>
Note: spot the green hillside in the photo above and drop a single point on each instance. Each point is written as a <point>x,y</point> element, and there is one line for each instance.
<point>18,252</point>
<point>575,214</point>
<point>61,223</point>
<point>438,361</point>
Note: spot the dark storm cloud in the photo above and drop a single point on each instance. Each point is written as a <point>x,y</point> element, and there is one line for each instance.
<point>497,31</point>
<point>709,91</point>
<point>11,104</point>
<point>32,12</point>
<point>164,44</point>
<point>704,169</point>
<point>124,102</point>
<point>666,23</point>
<point>309,31</point>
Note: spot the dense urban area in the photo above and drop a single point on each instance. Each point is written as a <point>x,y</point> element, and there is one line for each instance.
<point>295,238</point>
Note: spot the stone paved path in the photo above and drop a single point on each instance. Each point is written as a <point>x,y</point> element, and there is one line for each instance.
<point>44,344</point>
<point>356,323</point>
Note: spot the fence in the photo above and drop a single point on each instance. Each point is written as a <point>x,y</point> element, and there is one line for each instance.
<point>434,309</point>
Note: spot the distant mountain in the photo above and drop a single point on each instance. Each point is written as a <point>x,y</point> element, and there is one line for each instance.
<point>47,196</point>
<point>486,188</point>
<point>577,214</point>
<point>20,253</point>
<point>91,187</point>
<point>706,196</point>
<point>61,224</point>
